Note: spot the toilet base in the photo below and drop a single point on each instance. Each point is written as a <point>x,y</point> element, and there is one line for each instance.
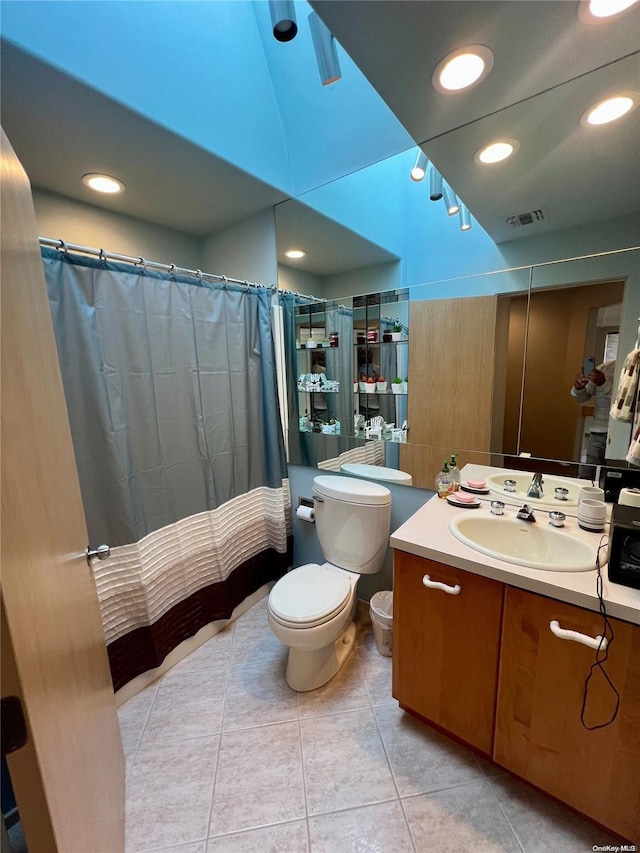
<point>308,670</point>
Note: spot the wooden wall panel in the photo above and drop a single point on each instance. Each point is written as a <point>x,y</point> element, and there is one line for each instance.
<point>452,353</point>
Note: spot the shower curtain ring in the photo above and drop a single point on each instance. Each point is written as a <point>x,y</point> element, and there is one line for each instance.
<point>246,286</point>
<point>103,257</point>
<point>172,269</point>
<point>142,263</point>
<point>199,274</point>
<point>62,247</point>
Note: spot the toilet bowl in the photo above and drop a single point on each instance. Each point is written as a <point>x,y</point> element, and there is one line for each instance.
<point>311,608</point>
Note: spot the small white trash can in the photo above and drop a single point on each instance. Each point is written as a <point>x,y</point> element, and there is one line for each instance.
<point>381,612</point>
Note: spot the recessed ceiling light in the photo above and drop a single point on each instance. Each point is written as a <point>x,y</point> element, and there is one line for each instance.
<point>463,68</point>
<point>102,183</point>
<point>608,8</point>
<point>295,254</point>
<point>497,151</point>
<point>609,110</point>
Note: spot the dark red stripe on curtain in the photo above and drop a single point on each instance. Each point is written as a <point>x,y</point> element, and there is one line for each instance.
<point>145,648</point>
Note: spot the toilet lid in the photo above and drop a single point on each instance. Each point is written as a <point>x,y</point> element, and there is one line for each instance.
<point>310,593</point>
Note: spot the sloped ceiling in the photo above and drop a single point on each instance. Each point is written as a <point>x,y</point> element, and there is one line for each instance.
<point>549,67</point>
<point>551,64</point>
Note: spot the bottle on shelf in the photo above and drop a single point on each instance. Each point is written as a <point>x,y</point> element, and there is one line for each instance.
<point>455,472</point>
<point>444,483</point>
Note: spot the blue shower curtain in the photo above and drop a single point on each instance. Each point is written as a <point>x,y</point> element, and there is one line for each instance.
<point>171,391</point>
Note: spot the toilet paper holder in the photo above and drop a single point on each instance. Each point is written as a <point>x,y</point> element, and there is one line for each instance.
<point>305,502</point>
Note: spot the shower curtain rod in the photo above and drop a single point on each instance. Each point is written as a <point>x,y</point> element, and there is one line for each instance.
<point>65,247</point>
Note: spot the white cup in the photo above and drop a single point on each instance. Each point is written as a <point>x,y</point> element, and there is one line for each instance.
<point>592,493</point>
<point>592,514</point>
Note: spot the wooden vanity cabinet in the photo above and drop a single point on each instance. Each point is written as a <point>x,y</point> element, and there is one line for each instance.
<point>539,735</point>
<point>446,647</point>
<point>485,661</point>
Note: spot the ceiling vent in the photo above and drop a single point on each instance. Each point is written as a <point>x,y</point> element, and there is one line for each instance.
<point>528,218</point>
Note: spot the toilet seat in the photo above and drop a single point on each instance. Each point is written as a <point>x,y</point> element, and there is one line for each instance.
<point>309,595</point>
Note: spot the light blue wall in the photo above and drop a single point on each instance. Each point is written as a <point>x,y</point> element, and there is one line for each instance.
<point>373,279</point>
<point>382,204</point>
<point>300,281</point>
<point>246,250</point>
<point>76,222</point>
<point>325,136</point>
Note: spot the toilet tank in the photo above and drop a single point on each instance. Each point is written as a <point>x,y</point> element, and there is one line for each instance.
<point>352,519</point>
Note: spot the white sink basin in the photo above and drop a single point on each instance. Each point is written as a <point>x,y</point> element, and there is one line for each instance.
<point>495,482</point>
<point>525,543</point>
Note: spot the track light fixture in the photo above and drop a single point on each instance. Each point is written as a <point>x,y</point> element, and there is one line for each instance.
<point>465,218</point>
<point>435,184</point>
<point>324,45</point>
<point>450,200</point>
<point>419,167</point>
<point>283,19</point>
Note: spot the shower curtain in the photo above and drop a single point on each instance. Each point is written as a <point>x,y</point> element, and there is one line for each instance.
<point>171,392</point>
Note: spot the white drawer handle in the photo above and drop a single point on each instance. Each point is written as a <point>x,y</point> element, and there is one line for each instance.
<point>452,590</point>
<point>565,634</point>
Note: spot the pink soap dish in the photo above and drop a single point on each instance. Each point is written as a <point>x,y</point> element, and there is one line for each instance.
<point>465,498</point>
<point>456,499</point>
<point>477,484</point>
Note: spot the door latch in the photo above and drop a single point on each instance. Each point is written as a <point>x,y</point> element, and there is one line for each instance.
<point>102,552</point>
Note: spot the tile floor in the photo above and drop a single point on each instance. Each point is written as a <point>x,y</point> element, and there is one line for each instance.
<point>222,757</point>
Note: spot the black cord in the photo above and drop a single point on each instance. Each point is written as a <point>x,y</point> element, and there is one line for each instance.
<point>602,655</point>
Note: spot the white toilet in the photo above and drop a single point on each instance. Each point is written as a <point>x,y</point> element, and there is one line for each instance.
<point>311,608</point>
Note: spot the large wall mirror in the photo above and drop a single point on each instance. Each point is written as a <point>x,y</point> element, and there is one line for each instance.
<point>486,361</point>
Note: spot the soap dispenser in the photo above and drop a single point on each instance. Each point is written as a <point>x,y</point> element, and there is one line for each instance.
<point>455,472</point>
<point>444,483</point>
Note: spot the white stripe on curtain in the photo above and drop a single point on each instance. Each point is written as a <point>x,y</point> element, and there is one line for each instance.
<point>371,453</point>
<point>143,580</point>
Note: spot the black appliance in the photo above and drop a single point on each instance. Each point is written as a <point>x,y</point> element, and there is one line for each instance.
<point>613,479</point>
<point>624,546</point>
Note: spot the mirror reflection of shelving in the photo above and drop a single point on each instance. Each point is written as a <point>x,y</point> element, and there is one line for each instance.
<point>317,362</point>
<point>381,356</point>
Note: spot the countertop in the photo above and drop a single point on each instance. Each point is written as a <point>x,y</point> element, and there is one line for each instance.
<point>426,534</point>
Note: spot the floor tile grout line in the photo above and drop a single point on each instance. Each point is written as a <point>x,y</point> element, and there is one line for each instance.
<point>304,784</point>
<point>504,814</point>
<point>175,847</point>
<point>393,777</point>
<point>373,803</point>
<point>215,772</point>
<point>434,791</point>
<point>406,820</point>
<point>146,718</point>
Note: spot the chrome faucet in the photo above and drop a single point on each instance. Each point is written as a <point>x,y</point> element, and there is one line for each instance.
<point>535,487</point>
<point>526,513</point>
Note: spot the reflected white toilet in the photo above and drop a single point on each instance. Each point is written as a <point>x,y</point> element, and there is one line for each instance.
<point>311,608</point>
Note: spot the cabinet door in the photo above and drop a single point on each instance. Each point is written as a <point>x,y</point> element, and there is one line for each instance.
<point>539,735</point>
<point>445,647</point>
